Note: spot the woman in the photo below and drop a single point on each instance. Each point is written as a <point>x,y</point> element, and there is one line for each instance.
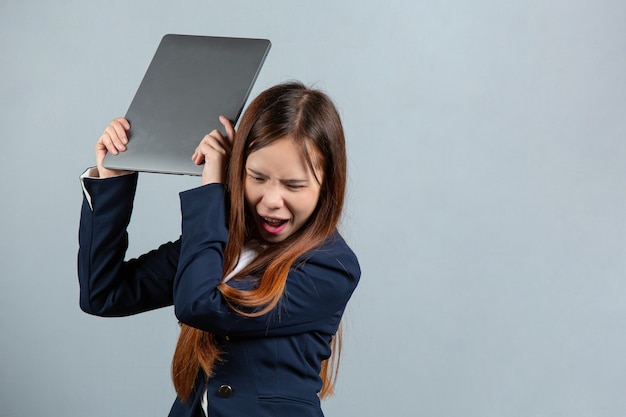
<point>260,276</point>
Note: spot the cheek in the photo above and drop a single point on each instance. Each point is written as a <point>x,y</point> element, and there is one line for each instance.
<point>307,205</point>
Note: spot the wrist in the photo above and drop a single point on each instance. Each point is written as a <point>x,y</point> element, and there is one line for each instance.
<point>110,173</point>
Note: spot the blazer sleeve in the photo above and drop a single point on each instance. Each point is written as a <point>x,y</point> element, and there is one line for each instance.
<point>109,285</point>
<point>317,289</point>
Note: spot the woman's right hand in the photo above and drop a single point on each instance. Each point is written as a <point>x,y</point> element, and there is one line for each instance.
<point>113,140</point>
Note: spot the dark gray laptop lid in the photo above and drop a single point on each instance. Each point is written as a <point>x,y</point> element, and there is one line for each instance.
<point>189,83</point>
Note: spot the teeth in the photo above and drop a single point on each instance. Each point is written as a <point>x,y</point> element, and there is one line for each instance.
<point>272,221</point>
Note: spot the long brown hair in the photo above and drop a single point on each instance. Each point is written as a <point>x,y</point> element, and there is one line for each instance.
<point>308,117</point>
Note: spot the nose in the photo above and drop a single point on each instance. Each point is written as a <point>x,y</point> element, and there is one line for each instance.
<point>272,197</point>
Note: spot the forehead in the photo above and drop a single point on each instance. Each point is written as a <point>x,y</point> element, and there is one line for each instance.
<point>283,157</point>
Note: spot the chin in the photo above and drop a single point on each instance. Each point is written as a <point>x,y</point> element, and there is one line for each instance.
<point>269,238</point>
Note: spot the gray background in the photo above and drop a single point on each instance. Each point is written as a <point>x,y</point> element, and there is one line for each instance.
<point>486,200</point>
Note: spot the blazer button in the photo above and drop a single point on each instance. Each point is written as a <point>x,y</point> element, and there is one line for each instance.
<point>225,391</point>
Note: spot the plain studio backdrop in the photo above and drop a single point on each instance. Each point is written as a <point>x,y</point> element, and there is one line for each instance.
<point>486,199</point>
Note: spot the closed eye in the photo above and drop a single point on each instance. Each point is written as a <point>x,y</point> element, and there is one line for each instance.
<point>256,178</point>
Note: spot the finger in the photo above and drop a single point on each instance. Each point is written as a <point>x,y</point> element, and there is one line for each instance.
<point>124,122</point>
<point>120,129</point>
<point>107,143</point>
<point>215,140</point>
<point>113,134</point>
<point>197,157</point>
<point>229,128</point>
<point>100,150</point>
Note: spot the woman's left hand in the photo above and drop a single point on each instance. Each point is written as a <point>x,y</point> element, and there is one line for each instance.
<point>214,151</point>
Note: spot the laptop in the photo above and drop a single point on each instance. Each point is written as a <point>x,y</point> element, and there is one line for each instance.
<point>189,83</point>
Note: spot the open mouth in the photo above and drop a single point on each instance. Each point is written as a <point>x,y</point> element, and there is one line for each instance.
<point>273,226</point>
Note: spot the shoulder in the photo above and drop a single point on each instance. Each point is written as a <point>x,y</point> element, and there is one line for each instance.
<point>335,253</point>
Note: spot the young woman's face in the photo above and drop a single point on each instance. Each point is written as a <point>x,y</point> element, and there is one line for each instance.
<point>280,189</point>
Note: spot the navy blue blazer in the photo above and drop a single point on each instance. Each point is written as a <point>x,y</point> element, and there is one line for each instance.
<point>272,362</point>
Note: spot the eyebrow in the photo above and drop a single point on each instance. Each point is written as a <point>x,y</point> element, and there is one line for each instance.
<point>286,181</point>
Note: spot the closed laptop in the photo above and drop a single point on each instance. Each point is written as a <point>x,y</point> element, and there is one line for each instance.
<point>190,82</point>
